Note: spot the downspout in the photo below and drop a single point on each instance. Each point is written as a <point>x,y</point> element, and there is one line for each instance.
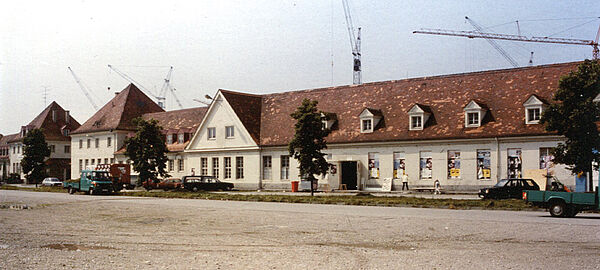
<point>498,165</point>
<point>260,164</point>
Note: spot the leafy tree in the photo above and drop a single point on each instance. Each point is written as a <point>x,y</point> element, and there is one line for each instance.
<point>574,115</point>
<point>308,141</point>
<point>35,152</point>
<point>147,150</point>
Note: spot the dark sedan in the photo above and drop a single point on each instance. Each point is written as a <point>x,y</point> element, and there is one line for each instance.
<point>204,182</point>
<point>508,188</point>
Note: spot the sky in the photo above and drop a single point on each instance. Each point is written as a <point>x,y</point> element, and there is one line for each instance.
<point>256,46</point>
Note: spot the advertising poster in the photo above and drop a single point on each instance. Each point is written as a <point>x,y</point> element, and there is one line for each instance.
<point>514,163</point>
<point>373,165</point>
<point>484,171</point>
<point>453,164</point>
<point>426,165</point>
<point>399,165</point>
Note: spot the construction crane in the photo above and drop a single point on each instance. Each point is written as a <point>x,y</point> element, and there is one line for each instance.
<point>163,91</point>
<point>160,98</point>
<point>354,43</point>
<point>494,43</point>
<point>472,34</point>
<point>84,89</point>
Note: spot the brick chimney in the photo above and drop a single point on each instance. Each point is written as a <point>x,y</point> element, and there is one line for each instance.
<point>67,116</point>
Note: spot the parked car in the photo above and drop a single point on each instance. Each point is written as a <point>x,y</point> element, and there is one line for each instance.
<point>166,184</point>
<point>508,188</point>
<point>51,182</point>
<point>205,182</point>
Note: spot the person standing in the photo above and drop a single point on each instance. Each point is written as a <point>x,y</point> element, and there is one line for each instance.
<point>437,187</point>
<point>405,181</point>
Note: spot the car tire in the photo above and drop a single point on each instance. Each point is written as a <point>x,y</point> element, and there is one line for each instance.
<point>165,189</point>
<point>71,190</point>
<point>558,209</point>
<point>195,189</point>
<point>92,192</point>
<point>571,211</point>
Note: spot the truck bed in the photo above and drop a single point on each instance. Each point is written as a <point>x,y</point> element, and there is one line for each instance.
<point>578,198</point>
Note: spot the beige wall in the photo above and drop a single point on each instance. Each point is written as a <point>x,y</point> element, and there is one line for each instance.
<point>102,152</point>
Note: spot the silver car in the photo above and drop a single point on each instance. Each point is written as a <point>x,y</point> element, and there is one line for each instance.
<point>52,182</point>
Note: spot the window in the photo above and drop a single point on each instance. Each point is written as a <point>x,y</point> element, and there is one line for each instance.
<point>212,133</point>
<point>546,158</point>
<point>484,171</point>
<point>416,122</point>
<point>93,161</point>
<point>66,132</point>
<point>170,139</point>
<point>227,161</point>
<point>229,132</point>
<point>52,148</point>
<point>99,161</point>
<point>399,165</point>
<point>106,161</point>
<point>426,165</point>
<point>108,142</point>
<point>180,165</point>
<point>453,164</point>
<point>367,125</point>
<point>67,149</point>
<point>239,167</point>
<point>267,165</point>
<point>80,165</point>
<point>180,138</point>
<point>171,165</point>
<point>204,166</point>
<point>285,167</point>
<point>472,119</point>
<point>533,115</point>
<point>97,144</point>
<point>373,165</point>
<point>89,142</point>
<point>87,162</point>
<point>215,167</point>
<point>112,160</point>
<point>80,144</point>
<point>514,163</point>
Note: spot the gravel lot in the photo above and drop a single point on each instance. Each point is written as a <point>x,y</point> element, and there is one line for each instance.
<point>102,232</point>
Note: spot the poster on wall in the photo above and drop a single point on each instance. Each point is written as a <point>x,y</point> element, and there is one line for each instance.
<point>399,165</point>
<point>426,165</point>
<point>484,171</point>
<point>514,163</point>
<point>453,164</point>
<point>373,165</point>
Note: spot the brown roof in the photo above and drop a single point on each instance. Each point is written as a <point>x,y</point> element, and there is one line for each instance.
<point>247,107</point>
<point>7,138</point>
<point>174,122</point>
<point>502,91</point>
<point>53,130</point>
<point>119,111</point>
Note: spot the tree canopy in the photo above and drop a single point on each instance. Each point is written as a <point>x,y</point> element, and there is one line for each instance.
<point>35,152</point>
<point>147,150</point>
<point>574,114</point>
<point>309,140</point>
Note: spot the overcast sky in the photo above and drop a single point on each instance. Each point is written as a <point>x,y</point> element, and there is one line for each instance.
<point>256,46</point>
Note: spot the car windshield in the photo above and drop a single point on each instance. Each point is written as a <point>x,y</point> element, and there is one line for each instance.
<point>501,183</point>
<point>100,176</point>
<point>54,180</point>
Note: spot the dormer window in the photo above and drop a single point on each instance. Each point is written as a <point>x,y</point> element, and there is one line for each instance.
<point>329,120</point>
<point>418,116</point>
<point>534,107</point>
<point>180,138</point>
<point>369,118</point>
<point>474,113</point>
<point>170,139</point>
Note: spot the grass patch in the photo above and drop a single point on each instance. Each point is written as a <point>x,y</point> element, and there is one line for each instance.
<point>337,200</point>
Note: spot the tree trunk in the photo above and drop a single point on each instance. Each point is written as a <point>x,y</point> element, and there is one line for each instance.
<point>312,191</point>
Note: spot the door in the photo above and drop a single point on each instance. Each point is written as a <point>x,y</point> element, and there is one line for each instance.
<point>349,177</point>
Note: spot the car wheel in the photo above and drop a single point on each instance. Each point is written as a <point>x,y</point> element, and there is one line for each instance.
<point>165,189</point>
<point>71,190</point>
<point>195,189</point>
<point>92,192</point>
<point>571,211</point>
<point>148,188</point>
<point>558,209</point>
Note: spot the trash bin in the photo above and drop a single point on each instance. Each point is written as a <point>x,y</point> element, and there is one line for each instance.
<point>294,186</point>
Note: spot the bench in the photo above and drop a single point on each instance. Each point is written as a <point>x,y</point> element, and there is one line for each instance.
<point>430,189</point>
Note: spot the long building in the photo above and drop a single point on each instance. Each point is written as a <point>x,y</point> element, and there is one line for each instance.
<point>465,130</point>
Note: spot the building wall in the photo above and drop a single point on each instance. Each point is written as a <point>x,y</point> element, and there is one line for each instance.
<point>15,155</point>
<point>103,151</point>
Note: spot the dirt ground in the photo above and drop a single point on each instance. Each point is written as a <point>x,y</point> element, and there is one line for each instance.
<point>60,231</point>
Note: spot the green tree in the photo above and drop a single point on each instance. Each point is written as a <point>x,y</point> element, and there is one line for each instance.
<point>574,115</point>
<point>147,150</point>
<point>35,152</point>
<point>308,141</point>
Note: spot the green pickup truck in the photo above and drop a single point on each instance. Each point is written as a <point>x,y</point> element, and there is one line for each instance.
<point>563,204</point>
<point>91,182</point>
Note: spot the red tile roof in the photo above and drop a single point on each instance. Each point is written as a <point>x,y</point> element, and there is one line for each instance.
<point>502,91</point>
<point>119,111</point>
<point>53,130</point>
<point>247,108</point>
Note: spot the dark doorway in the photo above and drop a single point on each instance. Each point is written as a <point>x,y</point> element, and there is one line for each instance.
<point>349,175</point>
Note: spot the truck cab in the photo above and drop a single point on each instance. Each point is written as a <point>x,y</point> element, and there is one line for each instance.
<point>92,182</point>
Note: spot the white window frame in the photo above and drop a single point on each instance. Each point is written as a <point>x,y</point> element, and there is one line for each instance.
<point>239,167</point>
<point>211,133</point>
<point>473,108</point>
<point>476,119</point>
<point>108,141</point>
<point>285,167</point>
<point>413,119</point>
<point>533,121</point>
<point>229,132</point>
<point>180,138</point>
<point>169,138</point>
<point>267,167</point>
<point>417,111</point>
<point>533,102</point>
<point>227,165</point>
<point>204,166</point>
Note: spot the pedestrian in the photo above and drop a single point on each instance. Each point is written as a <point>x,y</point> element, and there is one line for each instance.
<point>405,181</point>
<point>437,187</point>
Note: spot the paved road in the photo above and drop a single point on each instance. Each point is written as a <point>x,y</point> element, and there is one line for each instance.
<point>75,231</point>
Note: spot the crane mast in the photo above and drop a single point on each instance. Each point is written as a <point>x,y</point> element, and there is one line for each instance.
<point>161,97</point>
<point>84,89</point>
<point>354,44</point>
